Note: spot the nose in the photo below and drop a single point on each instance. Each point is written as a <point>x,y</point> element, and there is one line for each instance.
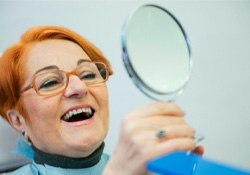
<point>76,87</point>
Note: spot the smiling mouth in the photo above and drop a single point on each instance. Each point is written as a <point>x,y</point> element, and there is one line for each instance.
<point>78,114</point>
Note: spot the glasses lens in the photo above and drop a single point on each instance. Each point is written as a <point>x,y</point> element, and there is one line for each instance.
<point>50,82</point>
<point>53,81</point>
<point>92,73</point>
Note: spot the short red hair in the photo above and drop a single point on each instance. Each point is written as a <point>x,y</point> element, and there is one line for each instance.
<point>12,63</point>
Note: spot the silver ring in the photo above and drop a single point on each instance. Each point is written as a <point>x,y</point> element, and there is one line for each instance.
<point>161,134</point>
<point>198,138</point>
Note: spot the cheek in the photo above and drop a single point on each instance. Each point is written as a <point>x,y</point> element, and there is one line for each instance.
<point>100,95</point>
<point>103,99</point>
<point>38,108</point>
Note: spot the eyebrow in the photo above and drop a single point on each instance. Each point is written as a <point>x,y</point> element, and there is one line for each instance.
<point>81,61</point>
<point>56,67</point>
<point>47,68</point>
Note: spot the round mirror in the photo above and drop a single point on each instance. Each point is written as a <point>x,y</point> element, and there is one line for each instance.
<point>156,52</point>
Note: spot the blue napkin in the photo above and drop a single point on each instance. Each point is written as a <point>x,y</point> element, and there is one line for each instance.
<point>184,163</point>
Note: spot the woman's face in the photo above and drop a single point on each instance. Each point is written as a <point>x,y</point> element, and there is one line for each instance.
<point>46,127</point>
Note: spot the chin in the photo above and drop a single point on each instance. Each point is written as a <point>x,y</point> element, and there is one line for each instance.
<point>82,145</point>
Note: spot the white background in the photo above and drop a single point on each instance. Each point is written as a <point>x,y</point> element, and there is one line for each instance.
<point>217,98</point>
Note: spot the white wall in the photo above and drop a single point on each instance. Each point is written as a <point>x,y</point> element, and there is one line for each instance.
<point>216,100</point>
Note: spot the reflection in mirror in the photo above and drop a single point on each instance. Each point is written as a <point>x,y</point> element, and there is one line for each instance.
<point>156,52</point>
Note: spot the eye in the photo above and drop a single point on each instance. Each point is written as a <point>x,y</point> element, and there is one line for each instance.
<point>49,81</point>
<point>87,76</point>
<point>49,84</point>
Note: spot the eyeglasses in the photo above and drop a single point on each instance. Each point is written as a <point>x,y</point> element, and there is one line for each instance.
<point>53,81</point>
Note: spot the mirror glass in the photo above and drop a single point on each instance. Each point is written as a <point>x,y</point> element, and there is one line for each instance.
<point>156,52</point>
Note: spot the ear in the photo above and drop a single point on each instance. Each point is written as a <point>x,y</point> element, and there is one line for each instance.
<point>16,119</point>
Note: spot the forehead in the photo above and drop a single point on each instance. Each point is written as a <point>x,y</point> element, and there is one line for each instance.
<point>61,53</point>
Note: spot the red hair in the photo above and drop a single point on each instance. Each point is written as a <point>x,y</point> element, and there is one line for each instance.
<point>12,64</point>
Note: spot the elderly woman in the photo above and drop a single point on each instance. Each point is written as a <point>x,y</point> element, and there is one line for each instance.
<point>53,92</point>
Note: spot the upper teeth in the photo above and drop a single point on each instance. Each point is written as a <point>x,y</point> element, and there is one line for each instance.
<point>69,114</point>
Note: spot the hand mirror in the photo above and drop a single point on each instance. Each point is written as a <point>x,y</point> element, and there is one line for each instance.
<point>156,52</point>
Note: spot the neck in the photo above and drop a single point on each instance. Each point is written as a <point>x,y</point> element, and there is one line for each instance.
<point>41,157</point>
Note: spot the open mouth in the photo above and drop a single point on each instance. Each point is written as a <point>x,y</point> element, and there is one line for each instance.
<point>78,114</point>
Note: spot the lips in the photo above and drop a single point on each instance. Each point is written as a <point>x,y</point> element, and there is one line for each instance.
<point>78,114</point>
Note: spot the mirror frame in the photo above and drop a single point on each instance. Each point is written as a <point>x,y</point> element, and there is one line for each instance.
<point>148,91</point>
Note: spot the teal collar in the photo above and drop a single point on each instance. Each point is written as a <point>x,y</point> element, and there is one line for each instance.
<point>68,162</point>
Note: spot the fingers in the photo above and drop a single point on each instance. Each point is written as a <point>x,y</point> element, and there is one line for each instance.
<point>136,125</point>
<point>170,132</point>
<point>178,131</point>
<point>164,121</point>
<point>178,137</point>
<point>177,144</point>
<point>154,116</point>
<point>199,150</point>
<point>158,109</point>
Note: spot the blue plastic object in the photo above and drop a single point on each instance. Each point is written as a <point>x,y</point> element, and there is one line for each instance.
<point>184,163</point>
<point>24,149</point>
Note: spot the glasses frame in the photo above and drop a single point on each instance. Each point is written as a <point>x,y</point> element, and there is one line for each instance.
<point>67,75</point>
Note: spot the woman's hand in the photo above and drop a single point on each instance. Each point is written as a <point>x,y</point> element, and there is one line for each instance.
<point>139,144</point>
